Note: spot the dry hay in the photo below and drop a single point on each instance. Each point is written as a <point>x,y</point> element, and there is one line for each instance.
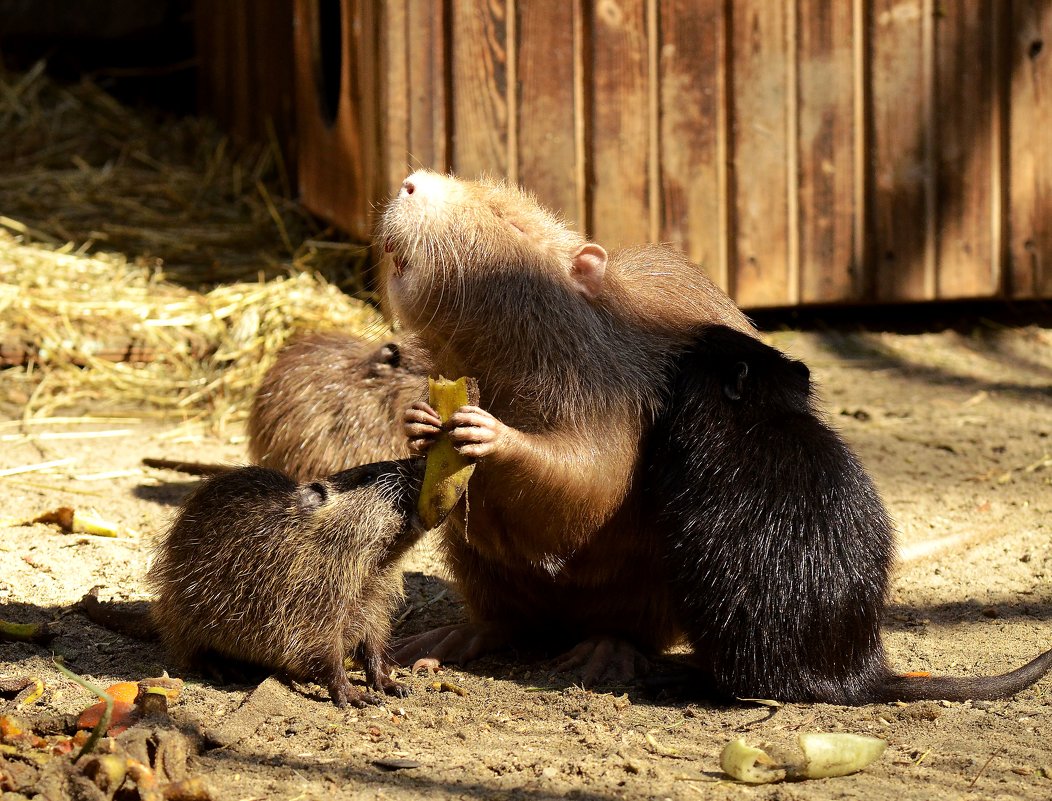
<point>105,214</point>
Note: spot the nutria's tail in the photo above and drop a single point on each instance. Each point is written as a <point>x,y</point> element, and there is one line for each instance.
<point>979,688</point>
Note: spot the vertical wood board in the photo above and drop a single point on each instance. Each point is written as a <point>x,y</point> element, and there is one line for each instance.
<point>693,131</point>
<point>546,155</point>
<point>899,157</point>
<point>964,72</point>
<point>1030,149</point>
<point>760,81</point>
<point>340,175</point>
<point>478,52</point>
<point>826,138</point>
<point>620,127</point>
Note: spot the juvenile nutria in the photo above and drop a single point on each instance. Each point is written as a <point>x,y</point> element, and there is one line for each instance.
<point>293,577</point>
<point>332,401</point>
<point>572,349</point>
<point>778,546</point>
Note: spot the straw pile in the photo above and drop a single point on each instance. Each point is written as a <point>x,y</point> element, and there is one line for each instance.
<point>108,218</point>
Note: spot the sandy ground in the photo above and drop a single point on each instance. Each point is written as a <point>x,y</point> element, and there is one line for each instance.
<point>957,431</point>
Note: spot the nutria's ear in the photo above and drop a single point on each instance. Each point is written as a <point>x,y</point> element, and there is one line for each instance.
<point>734,383</point>
<point>589,266</point>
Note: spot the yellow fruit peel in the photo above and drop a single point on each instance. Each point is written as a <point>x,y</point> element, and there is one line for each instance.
<point>838,753</point>
<point>825,755</point>
<point>446,473</point>
<point>748,764</point>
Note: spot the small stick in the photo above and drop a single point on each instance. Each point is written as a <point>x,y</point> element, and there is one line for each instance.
<point>43,435</point>
<point>190,468</point>
<point>104,721</point>
<point>32,468</point>
<point>985,765</point>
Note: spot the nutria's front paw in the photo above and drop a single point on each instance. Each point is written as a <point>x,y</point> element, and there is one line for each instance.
<point>421,425</point>
<point>475,432</point>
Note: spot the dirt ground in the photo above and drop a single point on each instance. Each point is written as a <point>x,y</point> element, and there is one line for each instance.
<point>957,431</point>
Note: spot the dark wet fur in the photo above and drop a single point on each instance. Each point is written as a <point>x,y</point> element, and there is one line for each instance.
<point>778,545</point>
<point>292,577</point>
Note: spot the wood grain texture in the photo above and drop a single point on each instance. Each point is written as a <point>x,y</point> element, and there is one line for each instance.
<point>826,141</point>
<point>900,151</point>
<point>427,62</point>
<point>760,149</point>
<point>478,52</point>
<point>546,146</point>
<point>339,176</point>
<point>413,80</point>
<point>619,123</point>
<point>245,75</point>
<point>693,131</point>
<point>964,73</point>
<point>395,87</point>
<point>1030,149</point>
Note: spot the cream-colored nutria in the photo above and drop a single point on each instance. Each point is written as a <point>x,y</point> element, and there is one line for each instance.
<point>572,351</point>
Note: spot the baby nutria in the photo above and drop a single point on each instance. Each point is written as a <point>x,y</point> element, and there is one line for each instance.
<point>572,350</point>
<point>778,547</point>
<point>293,577</point>
<point>333,401</point>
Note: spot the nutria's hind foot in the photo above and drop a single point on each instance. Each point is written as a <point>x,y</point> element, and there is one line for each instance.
<point>460,643</point>
<point>378,677</point>
<point>389,686</point>
<point>612,660</point>
<point>343,694</point>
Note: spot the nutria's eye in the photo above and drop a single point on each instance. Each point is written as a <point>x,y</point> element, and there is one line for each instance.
<point>518,227</point>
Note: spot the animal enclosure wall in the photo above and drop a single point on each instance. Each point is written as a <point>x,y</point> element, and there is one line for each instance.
<point>802,151</point>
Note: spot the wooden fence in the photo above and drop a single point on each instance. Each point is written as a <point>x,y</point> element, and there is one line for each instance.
<point>802,151</point>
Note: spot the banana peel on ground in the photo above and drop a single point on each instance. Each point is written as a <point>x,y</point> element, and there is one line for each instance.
<point>825,755</point>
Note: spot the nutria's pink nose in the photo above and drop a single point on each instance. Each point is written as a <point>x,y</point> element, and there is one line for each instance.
<point>408,187</point>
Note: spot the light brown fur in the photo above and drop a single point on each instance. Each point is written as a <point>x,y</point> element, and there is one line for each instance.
<point>289,576</point>
<point>333,401</point>
<point>485,279</point>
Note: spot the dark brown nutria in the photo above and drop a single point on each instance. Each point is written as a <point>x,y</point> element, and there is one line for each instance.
<point>572,351</point>
<point>778,546</point>
<point>292,577</point>
<point>332,401</point>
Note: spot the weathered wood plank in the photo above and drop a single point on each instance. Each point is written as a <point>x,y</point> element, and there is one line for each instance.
<point>826,141</point>
<point>760,153</point>
<point>900,155</point>
<point>339,175</point>
<point>246,72</point>
<point>396,86</point>
<point>414,89</point>
<point>693,131</point>
<point>428,137</point>
<point>1030,149</point>
<point>967,263</point>
<point>619,123</point>
<point>480,88</point>
<point>547,149</point>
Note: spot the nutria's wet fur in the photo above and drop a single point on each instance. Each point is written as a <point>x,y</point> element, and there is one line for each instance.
<point>332,401</point>
<point>778,546</point>
<point>293,577</point>
<point>574,359</point>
